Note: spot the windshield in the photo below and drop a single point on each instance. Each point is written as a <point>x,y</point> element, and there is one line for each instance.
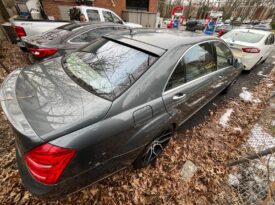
<point>242,36</point>
<point>107,68</point>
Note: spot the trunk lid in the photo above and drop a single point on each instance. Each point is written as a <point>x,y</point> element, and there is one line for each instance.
<point>45,39</point>
<point>52,103</point>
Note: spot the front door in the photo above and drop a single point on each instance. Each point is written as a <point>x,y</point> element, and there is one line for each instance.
<point>191,83</point>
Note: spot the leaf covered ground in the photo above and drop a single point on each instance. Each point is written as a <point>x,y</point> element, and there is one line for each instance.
<point>208,145</point>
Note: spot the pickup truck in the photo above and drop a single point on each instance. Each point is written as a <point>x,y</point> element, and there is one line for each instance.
<point>92,14</point>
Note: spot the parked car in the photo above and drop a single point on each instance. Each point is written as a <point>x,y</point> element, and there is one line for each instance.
<point>265,27</point>
<point>225,29</point>
<point>92,14</point>
<point>193,25</point>
<point>66,39</point>
<point>112,103</point>
<point>251,46</point>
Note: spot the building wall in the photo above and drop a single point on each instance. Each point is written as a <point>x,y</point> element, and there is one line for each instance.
<point>51,6</point>
<point>116,6</point>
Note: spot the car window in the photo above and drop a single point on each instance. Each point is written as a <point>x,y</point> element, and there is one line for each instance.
<point>177,78</point>
<point>82,38</point>
<point>107,68</point>
<point>243,36</point>
<point>93,15</point>
<point>92,34</point>
<point>270,40</point>
<point>116,19</point>
<point>199,61</point>
<point>105,30</point>
<point>224,55</point>
<point>108,16</point>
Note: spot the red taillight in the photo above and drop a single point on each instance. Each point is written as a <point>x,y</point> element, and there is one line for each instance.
<point>42,52</point>
<point>20,31</point>
<point>47,162</point>
<point>251,50</point>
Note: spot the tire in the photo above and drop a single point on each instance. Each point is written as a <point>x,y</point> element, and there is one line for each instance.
<point>154,149</point>
<point>264,61</point>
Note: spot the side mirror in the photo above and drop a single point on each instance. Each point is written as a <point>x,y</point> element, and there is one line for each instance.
<point>237,63</point>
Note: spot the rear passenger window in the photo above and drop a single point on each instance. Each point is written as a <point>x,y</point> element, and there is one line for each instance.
<point>82,38</point>
<point>116,19</point>
<point>177,78</point>
<point>93,15</point>
<point>224,55</point>
<point>199,61</point>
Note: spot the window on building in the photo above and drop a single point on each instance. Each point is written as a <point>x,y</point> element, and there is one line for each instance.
<point>137,4</point>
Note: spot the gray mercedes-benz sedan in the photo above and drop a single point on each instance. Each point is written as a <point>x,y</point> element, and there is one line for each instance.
<point>110,104</point>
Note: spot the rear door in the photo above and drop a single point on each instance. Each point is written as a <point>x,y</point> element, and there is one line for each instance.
<point>191,83</point>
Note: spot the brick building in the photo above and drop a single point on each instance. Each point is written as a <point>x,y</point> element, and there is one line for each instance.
<point>54,7</point>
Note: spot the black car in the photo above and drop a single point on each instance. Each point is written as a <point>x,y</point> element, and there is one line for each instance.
<point>113,103</point>
<point>66,38</point>
<point>193,25</point>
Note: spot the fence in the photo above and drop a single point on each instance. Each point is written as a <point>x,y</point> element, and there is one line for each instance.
<point>252,176</point>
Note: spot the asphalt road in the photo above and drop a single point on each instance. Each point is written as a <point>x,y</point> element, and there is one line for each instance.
<point>246,79</point>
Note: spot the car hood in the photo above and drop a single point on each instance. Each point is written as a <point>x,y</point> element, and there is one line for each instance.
<point>43,98</point>
<point>132,25</point>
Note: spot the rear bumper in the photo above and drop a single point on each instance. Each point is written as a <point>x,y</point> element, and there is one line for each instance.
<point>248,60</point>
<point>69,185</point>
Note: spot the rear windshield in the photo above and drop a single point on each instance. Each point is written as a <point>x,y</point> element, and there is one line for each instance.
<point>242,36</point>
<point>53,34</point>
<point>107,68</point>
<point>59,32</point>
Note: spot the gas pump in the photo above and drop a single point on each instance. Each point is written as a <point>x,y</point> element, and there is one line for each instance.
<point>176,18</point>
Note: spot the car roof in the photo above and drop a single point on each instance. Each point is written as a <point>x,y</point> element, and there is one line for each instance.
<point>253,30</point>
<point>160,38</point>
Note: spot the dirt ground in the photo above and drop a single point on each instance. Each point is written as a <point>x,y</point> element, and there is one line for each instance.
<point>208,145</point>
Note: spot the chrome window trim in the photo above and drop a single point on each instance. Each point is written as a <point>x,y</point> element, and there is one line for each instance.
<point>192,81</point>
<point>207,41</point>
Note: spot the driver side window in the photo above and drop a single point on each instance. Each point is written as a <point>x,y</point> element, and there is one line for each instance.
<point>108,16</point>
<point>116,19</point>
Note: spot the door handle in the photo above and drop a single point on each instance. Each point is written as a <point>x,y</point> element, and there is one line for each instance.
<point>220,76</point>
<point>179,96</point>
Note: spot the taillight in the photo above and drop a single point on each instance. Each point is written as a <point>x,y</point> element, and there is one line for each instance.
<point>251,50</point>
<point>20,31</point>
<point>47,162</point>
<point>42,52</point>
